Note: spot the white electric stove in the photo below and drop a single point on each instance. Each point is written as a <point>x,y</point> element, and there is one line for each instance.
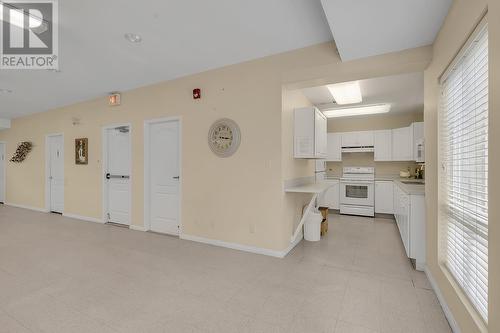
<point>357,191</point>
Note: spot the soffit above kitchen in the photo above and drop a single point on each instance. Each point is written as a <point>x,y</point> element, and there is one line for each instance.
<point>404,92</point>
<point>367,28</point>
<point>165,40</point>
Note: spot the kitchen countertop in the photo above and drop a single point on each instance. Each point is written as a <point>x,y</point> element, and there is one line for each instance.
<point>314,188</point>
<point>412,189</point>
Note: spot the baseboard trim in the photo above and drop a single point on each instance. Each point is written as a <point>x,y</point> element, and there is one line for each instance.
<point>447,312</point>
<point>137,228</point>
<point>293,245</point>
<point>240,247</point>
<point>83,218</point>
<point>36,209</point>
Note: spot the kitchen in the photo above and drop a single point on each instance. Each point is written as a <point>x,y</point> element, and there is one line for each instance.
<point>368,152</point>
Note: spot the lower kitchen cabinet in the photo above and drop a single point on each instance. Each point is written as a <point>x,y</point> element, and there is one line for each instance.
<point>409,211</point>
<point>384,197</point>
<point>331,197</point>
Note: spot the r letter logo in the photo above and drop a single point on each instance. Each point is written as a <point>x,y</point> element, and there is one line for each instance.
<point>29,34</point>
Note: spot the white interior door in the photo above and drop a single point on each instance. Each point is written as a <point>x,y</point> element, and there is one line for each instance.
<point>164,177</point>
<point>2,172</point>
<point>56,173</point>
<point>118,175</point>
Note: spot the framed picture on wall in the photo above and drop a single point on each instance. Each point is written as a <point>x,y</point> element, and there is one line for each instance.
<point>82,151</point>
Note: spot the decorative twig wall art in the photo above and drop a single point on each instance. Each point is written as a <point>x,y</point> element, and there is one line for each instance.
<point>21,152</point>
<point>82,151</point>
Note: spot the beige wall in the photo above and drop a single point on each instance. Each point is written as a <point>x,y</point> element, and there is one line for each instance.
<point>374,122</point>
<point>226,199</point>
<point>369,123</point>
<point>238,200</point>
<point>366,160</point>
<point>463,17</point>
<point>293,168</point>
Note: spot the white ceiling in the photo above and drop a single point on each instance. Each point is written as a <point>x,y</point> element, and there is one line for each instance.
<point>404,92</point>
<point>180,37</point>
<point>364,28</point>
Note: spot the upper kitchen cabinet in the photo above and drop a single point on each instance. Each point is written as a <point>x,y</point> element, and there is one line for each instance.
<point>383,145</point>
<point>402,144</point>
<point>310,133</point>
<point>357,139</point>
<point>418,142</point>
<point>334,147</point>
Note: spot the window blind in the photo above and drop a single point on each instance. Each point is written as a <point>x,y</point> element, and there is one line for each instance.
<point>464,176</point>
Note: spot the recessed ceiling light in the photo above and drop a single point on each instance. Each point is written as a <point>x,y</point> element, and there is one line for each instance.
<point>346,93</point>
<point>357,111</point>
<point>133,38</point>
<point>5,91</point>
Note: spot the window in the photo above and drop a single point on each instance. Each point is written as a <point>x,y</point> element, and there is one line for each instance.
<point>464,174</point>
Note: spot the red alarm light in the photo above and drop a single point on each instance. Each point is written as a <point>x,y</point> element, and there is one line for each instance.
<point>196,93</point>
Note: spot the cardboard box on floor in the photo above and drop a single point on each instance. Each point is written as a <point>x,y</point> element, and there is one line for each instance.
<point>324,223</point>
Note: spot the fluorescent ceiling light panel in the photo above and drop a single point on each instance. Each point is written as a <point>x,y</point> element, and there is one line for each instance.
<point>346,93</point>
<point>357,111</point>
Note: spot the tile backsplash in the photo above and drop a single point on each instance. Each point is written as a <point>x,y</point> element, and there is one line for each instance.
<point>366,159</point>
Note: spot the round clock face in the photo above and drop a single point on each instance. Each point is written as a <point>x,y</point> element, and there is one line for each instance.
<point>224,137</point>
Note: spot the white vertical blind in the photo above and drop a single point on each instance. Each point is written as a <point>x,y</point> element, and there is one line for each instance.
<point>464,175</point>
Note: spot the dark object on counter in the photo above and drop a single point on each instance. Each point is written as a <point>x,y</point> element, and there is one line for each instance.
<point>419,172</point>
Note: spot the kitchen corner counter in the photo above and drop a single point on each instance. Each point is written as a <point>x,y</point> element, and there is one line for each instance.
<point>411,189</point>
<point>314,188</point>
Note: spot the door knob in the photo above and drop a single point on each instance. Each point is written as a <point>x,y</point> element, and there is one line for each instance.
<point>108,176</point>
<point>176,177</point>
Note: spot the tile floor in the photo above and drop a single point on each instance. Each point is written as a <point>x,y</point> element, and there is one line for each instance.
<point>63,275</point>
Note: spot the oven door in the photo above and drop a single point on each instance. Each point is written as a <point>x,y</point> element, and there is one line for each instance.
<point>360,193</point>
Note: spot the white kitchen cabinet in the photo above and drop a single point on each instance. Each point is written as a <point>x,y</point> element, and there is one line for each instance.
<point>331,197</point>
<point>365,138</point>
<point>334,147</point>
<point>310,133</point>
<point>321,124</point>
<point>384,197</point>
<point>357,139</point>
<point>382,141</point>
<point>402,144</point>
<point>409,211</point>
<point>349,139</point>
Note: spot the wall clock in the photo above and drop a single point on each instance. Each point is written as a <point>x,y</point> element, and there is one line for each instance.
<point>224,137</point>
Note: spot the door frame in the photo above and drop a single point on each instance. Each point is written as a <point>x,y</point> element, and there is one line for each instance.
<point>147,175</point>
<point>47,170</point>
<point>4,190</point>
<point>105,166</point>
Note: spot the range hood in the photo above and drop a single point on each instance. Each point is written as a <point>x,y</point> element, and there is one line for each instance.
<point>358,149</point>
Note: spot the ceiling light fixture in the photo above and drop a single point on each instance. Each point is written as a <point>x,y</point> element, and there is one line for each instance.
<point>346,93</point>
<point>357,111</point>
<point>133,38</point>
